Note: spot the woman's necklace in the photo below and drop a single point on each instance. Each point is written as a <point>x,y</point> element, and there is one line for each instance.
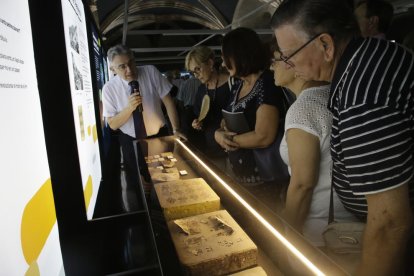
<point>247,85</point>
<point>213,95</point>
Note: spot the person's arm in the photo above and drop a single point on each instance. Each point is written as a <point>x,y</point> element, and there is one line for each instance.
<point>122,117</point>
<point>171,111</point>
<point>264,133</point>
<point>304,160</point>
<point>386,234</point>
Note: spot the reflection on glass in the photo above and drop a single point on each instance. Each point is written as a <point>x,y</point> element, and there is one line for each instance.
<point>258,216</point>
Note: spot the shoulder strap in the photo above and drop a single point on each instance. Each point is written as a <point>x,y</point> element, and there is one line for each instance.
<point>289,96</point>
<point>230,81</point>
<point>331,216</point>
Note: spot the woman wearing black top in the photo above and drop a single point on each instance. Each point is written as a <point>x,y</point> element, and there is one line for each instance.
<point>256,95</point>
<point>200,62</point>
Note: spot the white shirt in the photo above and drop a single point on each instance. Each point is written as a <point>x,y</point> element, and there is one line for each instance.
<point>153,87</point>
<point>310,113</point>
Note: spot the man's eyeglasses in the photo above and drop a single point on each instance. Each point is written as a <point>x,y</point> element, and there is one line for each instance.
<point>196,70</point>
<point>124,66</point>
<point>286,59</point>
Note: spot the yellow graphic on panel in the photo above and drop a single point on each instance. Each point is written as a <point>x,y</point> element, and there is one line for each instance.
<point>88,191</point>
<point>92,131</point>
<point>33,270</point>
<point>38,219</point>
<point>81,123</point>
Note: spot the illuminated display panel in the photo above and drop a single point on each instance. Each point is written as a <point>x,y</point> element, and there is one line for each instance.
<point>29,233</point>
<point>80,79</point>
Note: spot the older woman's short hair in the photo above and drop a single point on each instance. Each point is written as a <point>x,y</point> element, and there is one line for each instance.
<point>243,47</point>
<point>200,54</point>
<point>318,16</point>
<point>119,50</point>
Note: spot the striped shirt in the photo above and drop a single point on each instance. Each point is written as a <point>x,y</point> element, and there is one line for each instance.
<point>372,131</point>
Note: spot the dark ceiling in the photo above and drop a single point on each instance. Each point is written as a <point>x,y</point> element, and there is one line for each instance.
<point>162,31</point>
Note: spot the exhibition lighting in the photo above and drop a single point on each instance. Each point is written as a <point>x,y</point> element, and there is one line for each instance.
<point>276,233</point>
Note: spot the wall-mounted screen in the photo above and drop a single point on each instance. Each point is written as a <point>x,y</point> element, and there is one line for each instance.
<point>80,79</point>
<point>29,233</point>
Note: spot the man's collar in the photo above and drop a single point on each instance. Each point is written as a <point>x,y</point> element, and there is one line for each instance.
<point>353,45</point>
<point>346,56</point>
<point>380,35</point>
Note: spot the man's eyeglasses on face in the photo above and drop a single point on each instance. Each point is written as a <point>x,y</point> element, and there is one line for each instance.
<point>124,66</point>
<point>286,59</point>
<point>196,70</point>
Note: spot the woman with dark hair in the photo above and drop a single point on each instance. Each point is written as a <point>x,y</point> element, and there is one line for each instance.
<point>262,103</point>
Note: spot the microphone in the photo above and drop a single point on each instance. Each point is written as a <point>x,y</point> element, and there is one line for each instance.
<point>134,85</point>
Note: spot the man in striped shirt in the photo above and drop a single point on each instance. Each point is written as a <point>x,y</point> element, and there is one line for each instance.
<point>372,82</point>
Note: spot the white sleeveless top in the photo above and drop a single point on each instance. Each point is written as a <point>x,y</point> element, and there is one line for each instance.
<point>310,113</point>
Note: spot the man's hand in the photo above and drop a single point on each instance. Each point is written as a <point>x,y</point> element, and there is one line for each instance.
<point>122,117</point>
<point>134,100</point>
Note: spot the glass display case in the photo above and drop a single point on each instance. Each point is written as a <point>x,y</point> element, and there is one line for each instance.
<point>281,250</point>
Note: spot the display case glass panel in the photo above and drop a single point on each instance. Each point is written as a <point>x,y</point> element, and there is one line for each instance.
<point>282,250</point>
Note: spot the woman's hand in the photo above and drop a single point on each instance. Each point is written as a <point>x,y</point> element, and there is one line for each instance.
<point>225,140</point>
<point>196,124</point>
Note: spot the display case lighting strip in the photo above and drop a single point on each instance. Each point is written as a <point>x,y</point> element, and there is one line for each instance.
<point>276,233</point>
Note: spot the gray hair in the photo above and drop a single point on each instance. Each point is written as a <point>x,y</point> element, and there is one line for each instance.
<point>200,54</point>
<point>318,16</point>
<point>119,50</point>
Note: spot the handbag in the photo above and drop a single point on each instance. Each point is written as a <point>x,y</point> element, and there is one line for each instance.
<point>269,163</point>
<point>342,237</point>
<point>268,160</point>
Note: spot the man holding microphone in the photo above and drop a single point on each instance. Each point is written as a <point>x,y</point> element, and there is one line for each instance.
<point>132,102</point>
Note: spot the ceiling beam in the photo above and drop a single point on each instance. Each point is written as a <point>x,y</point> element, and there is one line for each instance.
<point>125,25</point>
<point>214,11</point>
<point>228,27</point>
<point>157,58</point>
<point>168,49</point>
<point>138,7</point>
<point>191,32</point>
<point>139,21</point>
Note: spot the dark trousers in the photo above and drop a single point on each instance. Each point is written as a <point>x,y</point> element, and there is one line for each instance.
<point>129,160</point>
